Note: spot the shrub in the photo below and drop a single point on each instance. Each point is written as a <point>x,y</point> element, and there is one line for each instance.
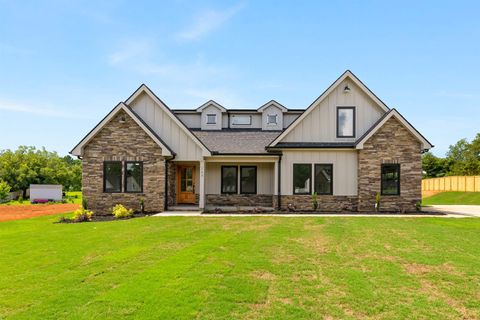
<point>119,211</point>
<point>84,204</point>
<point>4,191</point>
<point>82,215</point>
<point>142,205</point>
<point>377,201</point>
<point>314,201</point>
<point>20,199</point>
<point>418,205</point>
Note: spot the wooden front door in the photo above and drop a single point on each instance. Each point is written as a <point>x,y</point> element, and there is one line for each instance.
<point>185,184</point>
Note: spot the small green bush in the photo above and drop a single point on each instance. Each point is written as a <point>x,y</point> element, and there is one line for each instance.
<point>20,199</point>
<point>84,204</point>
<point>314,201</point>
<point>4,191</point>
<point>119,211</point>
<point>82,215</point>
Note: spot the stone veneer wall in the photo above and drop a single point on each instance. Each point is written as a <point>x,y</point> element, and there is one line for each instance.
<point>172,183</point>
<point>326,203</point>
<point>392,143</point>
<point>126,141</point>
<point>243,200</point>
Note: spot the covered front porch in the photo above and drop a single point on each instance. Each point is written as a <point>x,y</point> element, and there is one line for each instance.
<point>223,183</point>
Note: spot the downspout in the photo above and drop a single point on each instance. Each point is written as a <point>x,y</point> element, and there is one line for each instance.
<point>279,195</point>
<point>165,204</point>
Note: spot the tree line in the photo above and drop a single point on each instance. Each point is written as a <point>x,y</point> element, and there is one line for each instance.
<point>28,165</point>
<point>462,159</point>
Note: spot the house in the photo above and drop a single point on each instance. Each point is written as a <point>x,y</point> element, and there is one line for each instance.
<point>347,146</point>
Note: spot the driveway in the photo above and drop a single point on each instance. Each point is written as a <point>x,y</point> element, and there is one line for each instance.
<point>469,211</point>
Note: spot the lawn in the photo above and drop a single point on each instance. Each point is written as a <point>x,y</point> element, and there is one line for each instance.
<point>241,267</point>
<point>467,198</point>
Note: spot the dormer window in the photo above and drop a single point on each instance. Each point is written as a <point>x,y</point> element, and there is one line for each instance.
<point>272,119</point>
<point>211,119</point>
<point>345,122</point>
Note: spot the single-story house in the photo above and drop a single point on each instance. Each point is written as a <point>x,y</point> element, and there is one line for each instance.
<point>346,147</point>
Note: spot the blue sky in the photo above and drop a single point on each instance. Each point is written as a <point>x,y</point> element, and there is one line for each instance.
<point>65,64</point>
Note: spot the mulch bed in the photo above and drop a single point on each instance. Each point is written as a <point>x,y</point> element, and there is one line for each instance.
<point>17,212</point>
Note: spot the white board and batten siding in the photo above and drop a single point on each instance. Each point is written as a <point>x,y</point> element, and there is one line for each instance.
<point>164,126</point>
<point>321,123</point>
<point>345,165</point>
<point>265,176</point>
<point>46,191</point>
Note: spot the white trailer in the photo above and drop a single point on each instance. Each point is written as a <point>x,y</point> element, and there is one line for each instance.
<point>50,192</point>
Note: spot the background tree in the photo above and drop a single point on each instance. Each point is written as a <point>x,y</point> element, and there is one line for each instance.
<point>27,165</point>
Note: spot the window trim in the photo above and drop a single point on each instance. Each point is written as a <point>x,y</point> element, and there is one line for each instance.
<point>242,124</point>
<point>315,176</point>
<point>125,176</point>
<point>256,172</point>
<point>221,179</point>
<point>354,121</point>
<point>272,123</point>
<point>211,114</point>
<point>105,163</point>
<point>397,165</point>
<point>309,183</point>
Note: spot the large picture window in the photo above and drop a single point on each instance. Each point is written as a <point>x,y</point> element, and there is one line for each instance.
<point>248,179</point>
<point>133,177</point>
<point>229,179</point>
<point>390,183</point>
<point>241,120</point>
<point>112,176</point>
<point>324,178</point>
<point>302,178</point>
<point>345,122</point>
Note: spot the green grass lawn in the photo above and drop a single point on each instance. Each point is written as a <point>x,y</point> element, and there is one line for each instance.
<point>468,198</point>
<point>241,268</point>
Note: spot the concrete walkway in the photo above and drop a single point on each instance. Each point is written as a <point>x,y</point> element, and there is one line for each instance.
<point>463,210</point>
<point>291,215</point>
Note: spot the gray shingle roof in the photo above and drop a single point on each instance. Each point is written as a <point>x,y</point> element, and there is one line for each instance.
<point>241,142</point>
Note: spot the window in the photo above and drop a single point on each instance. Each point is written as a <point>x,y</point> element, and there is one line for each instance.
<point>324,178</point>
<point>272,119</point>
<point>242,120</point>
<point>229,179</point>
<point>345,122</point>
<point>248,179</point>
<point>390,183</point>
<point>112,176</point>
<point>211,119</point>
<point>302,173</point>
<point>133,177</point>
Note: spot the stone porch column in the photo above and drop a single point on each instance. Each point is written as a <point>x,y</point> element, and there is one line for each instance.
<point>201,190</point>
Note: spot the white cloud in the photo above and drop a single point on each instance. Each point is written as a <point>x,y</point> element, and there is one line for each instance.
<point>39,110</point>
<point>130,50</point>
<point>207,21</point>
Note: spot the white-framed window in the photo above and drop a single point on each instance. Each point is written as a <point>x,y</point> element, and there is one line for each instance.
<point>271,119</point>
<point>241,120</point>
<point>211,119</point>
<point>345,122</point>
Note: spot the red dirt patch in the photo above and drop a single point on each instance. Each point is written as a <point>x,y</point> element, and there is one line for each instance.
<point>34,210</point>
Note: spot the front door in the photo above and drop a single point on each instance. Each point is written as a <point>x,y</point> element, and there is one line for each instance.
<point>186,184</point>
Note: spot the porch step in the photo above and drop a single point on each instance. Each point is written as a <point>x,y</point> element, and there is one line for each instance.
<point>183,208</point>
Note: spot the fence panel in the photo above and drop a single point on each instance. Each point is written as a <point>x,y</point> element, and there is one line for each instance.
<point>453,183</point>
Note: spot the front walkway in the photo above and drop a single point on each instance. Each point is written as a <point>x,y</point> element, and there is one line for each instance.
<point>463,210</point>
<point>296,215</point>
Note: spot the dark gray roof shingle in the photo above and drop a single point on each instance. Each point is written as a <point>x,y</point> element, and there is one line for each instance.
<point>241,142</point>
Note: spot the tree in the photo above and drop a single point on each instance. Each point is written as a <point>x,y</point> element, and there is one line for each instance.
<point>27,165</point>
<point>433,166</point>
<point>4,191</point>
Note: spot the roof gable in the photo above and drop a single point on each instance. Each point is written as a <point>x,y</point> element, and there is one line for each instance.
<point>272,103</point>
<point>211,103</point>
<point>78,149</point>
<point>144,89</point>
<point>426,145</point>
<point>346,75</point>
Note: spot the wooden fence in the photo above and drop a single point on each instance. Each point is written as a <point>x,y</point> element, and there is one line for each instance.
<point>454,183</point>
